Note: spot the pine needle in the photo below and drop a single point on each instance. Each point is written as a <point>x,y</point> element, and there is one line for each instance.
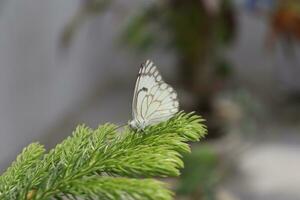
<point>104,164</point>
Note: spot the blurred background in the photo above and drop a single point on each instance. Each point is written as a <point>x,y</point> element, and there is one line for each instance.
<point>235,62</point>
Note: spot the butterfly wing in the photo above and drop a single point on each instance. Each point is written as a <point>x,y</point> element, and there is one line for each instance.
<point>154,100</point>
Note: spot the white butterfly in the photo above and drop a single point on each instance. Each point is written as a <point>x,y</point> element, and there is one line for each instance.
<point>154,100</point>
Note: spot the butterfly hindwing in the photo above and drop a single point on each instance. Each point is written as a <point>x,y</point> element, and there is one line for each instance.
<point>154,100</point>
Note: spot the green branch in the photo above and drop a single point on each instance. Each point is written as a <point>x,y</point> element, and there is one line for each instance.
<point>119,188</point>
<point>90,163</point>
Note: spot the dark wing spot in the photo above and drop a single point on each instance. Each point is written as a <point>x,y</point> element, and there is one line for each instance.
<point>145,89</point>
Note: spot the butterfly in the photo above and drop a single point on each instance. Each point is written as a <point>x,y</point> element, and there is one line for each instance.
<point>154,101</point>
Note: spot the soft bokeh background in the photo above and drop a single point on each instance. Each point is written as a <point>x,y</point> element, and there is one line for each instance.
<point>237,63</point>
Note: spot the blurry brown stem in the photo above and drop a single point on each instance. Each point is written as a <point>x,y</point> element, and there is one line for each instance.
<point>70,28</point>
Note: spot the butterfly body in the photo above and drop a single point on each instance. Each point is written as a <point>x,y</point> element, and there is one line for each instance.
<point>137,125</point>
<point>154,100</point>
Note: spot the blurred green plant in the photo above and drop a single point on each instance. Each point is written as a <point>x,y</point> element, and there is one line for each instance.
<point>199,178</point>
<point>182,25</point>
<point>196,35</point>
<point>102,164</point>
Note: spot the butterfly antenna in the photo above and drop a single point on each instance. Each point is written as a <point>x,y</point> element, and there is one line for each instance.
<point>118,127</point>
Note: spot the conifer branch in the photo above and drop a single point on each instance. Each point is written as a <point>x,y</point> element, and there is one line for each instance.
<point>119,188</point>
<point>103,163</point>
<point>10,181</point>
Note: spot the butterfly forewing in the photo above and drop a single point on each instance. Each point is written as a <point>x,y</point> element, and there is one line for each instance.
<point>154,100</point>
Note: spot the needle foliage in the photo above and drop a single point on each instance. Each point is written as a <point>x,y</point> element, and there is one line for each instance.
<point>104,163</point>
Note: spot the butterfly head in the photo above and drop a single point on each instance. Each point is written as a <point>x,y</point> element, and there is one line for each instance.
<point>133,124</point>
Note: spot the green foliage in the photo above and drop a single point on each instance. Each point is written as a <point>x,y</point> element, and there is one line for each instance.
<point>119,188</point>
<point>144,30</point>
<point>10,185</point>
<point>200,175</point>
<point>184,26</point>
<point>104,164</point>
